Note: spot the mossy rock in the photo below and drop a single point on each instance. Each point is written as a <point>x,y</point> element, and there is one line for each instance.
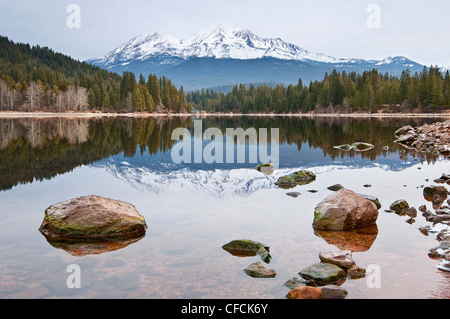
<point>302,177</point>
<point>323,273</point>
<point>92,217</point>
<point>399,205</point>
<point>246,248</point>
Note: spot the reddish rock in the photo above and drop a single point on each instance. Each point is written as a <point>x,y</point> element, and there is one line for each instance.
<point>305,292</point>
<point>344,210</point>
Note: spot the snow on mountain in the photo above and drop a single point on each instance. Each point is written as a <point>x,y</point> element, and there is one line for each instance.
<point>223,42</point>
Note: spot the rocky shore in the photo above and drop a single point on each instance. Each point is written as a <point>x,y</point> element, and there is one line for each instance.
<point>432,138</point>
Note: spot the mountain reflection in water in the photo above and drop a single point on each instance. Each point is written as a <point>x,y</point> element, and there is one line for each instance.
<point>37,149</point>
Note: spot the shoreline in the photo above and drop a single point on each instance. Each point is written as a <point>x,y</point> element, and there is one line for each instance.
<point>5,115</point>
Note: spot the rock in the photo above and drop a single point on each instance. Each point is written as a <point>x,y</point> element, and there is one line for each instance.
<point>445,177</point>
<point>435,194</point>
<point>344,147</point>
<point>295,282</point>
<point>372,199</point>
<point>293,194</point>
<point>92,217</point>
<point>344,210</point>
<point>305,292</point>
<point>362,147</point>
<point>248,248</point>
<point>266,168</point>
<point>441,219</point>
<point>423,208</point>
<point>440,251</point>
<point>333,292</point>
<point>335,187</point>
<point>411,212</point>
<point>259,271</point>
<point>443,235</point>
<point>403,130</point>
<point>424,230</point>
<point>432,190</point>
<point>297,178</point>
<point>342,258</point>
<point>399,205</point>
<point>264,254</point>
<point>431,138</point>
<point>286,182</point>
<point>356,272</point>
<point>303,177</point>
<point>323,273</point>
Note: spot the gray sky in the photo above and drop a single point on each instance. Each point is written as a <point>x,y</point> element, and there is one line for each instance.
<point>417,29</point>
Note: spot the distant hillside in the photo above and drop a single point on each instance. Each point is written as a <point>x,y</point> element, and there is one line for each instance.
<point>38,78</point>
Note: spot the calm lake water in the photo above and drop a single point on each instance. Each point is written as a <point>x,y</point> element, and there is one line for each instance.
<point>192,210</point>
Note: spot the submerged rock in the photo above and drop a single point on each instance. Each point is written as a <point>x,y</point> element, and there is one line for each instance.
<point>302,177</point>
<point>355,240</point>
<point>259,271</point>
<point>293,194</point>
<point>92,217</point>
<point>344,210</point>
<point>82,247</point>
<point>247,248</point>
<point>335,187</point>
<point>295,282</point>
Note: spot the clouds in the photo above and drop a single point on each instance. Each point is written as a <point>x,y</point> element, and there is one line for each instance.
<point>416,29</point>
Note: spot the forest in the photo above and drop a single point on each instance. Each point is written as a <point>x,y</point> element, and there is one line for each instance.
<point>427,91</point>
<point>39,79</point>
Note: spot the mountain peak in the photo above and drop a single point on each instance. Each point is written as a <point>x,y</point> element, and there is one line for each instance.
<point>221,42</point>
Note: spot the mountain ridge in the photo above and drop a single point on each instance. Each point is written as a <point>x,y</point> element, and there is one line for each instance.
<point>193,62</point>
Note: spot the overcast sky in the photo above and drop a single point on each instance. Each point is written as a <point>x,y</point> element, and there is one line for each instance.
<point>417,29</point>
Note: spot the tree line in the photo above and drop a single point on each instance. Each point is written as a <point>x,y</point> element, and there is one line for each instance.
<point>39,79</point>
<point>427,91</point>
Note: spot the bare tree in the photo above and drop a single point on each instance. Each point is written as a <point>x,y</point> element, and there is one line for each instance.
<point>71,98</point>
<point>4,91</point>
<point>33,94</point>
<point>81,98</point>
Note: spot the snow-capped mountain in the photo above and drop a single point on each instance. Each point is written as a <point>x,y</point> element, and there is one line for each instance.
<point>223,42</point>
<point>225,55</point>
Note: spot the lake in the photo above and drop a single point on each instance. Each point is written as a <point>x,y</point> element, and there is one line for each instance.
<point>193,209</point>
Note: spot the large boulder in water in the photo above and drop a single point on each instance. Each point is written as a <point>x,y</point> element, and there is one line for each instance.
<point>92,217</point>
<point>344,210</point>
